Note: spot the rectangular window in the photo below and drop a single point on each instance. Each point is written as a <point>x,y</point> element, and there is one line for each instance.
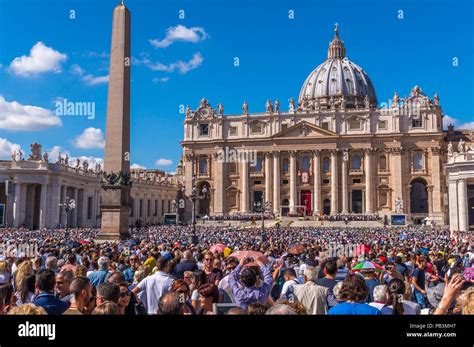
<point>285,182</point>
<point>325,125</point>
<point>233,131</point>
<point>383,125</point>
<point>256,129</point>
<point>356,181</point>
<point>204,130</point>
<point>284,127</point>
<point>325,181</point>
<point>257,182</point>
<point>89,207</point>
<point>355,124</point>
<point>417,122</point>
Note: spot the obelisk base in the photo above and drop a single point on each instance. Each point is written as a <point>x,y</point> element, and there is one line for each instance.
<point>115,215</point>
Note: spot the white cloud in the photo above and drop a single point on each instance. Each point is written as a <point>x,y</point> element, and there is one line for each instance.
<point>448,120</point>
<point>137,166</point>
<point>15,116</point>
<point>88,78</point>
<point>163,162</point>
<point>182,66</point>
<point>41,59</point>
<point>89,139</point>
<point>6,148</point>
<point>180,33</point>
<point>160,79</point>
<point>55,150</point>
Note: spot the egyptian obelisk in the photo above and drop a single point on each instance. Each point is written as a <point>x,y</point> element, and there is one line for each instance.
<point>116,179</point>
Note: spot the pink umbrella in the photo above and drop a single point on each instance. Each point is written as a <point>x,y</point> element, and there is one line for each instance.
<point>250,254</point>
<point>218,248</point>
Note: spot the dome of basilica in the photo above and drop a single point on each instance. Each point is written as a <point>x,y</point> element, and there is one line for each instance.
<point>338,80</point>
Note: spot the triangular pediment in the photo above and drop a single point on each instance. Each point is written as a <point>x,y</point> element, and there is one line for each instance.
<point>304,129</point>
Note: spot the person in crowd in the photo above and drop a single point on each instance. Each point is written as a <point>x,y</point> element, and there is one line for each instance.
<point>71,265</point>
<point>380,297</point>
<point>45,283</point>
<point>329,280</point>
<point>354,293</point>
<point>170,304</point>
<point>63,281</point>
<point>28,309</point>
<point>182,288</point>
<point>27,292</point>
<point>132,265</point>
<point>225,291</point>
<point>213,275</point>
<point>81,294</point>
<point>186,264</point>
<point>281,309</point>
<point>208,295</point>
<point>199,280</point>
<point>419,281</point>
<point>257,309</point>
<point>156,285</point>
<point>100,276</point>
<point>311,295</point>
<point>107,308</point>
<point>290,282</point>
<point>236,311</point>
<point>107,292</point>
<point>5,274</point>
<point>248,292</point>
<point>371,282</point>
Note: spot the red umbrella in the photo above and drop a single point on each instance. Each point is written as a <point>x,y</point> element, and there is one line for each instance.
<point>296,249</point>
<point>250,254</point>
<point>218,248</point>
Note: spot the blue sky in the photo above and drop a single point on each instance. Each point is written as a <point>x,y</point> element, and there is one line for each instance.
<point>276,54</point>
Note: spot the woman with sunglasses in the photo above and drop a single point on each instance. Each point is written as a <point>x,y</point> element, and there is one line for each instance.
<point>214,275</point>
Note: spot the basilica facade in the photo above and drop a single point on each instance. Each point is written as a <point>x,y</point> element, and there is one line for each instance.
<point>335,150</point>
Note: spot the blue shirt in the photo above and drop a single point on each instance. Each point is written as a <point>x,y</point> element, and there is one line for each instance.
<point>98,277</point>
<point>245,296</point>
<point>51,304</point>
<point>353,308</point>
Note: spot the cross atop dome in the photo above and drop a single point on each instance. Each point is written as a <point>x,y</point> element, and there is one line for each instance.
<point>336,47</point>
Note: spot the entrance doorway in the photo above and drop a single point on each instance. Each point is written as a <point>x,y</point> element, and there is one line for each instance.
<point>257,198</point>
<point>305,200</point>
<point>284,207</point>
<point>356,202</point>
<point>327,207</point>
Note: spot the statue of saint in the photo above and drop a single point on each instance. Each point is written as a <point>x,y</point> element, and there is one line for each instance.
<point>291,107</point>
<point>436,99</point>
<point>396,100</point>
<point>461,148</point>
<point>398,205</point>
<point>78,163</point>
<point>85,165</point>
<point>220,109</point>
<point>13,155</point>
<point>188,112</point>
<point>66,160</point>
<point>46,157</point>
<point>269,106</point>
<point>277,105</point>
<point>245,108</point>
<point>367,101</point>
<point>450,149</point>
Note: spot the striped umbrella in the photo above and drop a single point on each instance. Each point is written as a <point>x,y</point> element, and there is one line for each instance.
<point>367,265</point>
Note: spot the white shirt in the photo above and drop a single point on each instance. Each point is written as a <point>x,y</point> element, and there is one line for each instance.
<point>288,287</point>
<point>154,287</point>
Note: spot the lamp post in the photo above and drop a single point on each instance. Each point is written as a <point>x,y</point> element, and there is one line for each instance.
<point>68,206</point>
<point>262,207</point>
<point>194,196</point>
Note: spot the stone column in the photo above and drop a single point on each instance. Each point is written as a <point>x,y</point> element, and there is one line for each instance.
<point>62,211</point>
<point>43,205</point>
<point>453,206</point>
<point>244,179</point>
<point>23,202</point>
<point>430,200</point>
<point>317,181</point>
<point>369,184</point>
<point>17,205</point>
<point>268,177</point>
<point>276,182</point>
<point>396,170</point>
<point>334,183</point>
<point>219,185</point>
<point>74,212</point>
<point>293,189</point>
<point>462,205</point>
<point>344,177</point>
<point>436,172</point>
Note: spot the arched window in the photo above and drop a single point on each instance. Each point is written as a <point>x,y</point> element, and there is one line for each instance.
<point>285,165</point>
<point>383,162</point>
<point>326,164</point>
<point>203,167</point>
<point>356,162</point>
<point>418,160</point>
<point>305,163</point>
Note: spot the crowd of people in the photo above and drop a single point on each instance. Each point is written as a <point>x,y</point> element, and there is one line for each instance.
<point>350,217</point>
<point>244,217</point>
<point>285,270</point>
